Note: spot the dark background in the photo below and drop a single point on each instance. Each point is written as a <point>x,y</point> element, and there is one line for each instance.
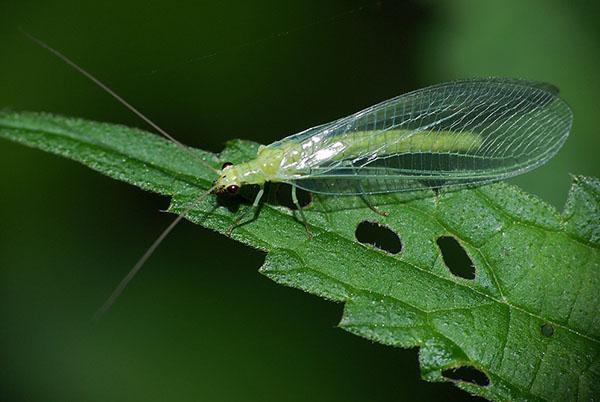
<point>199,323</point>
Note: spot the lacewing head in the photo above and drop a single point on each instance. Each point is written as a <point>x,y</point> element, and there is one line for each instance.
<point>228,182</point>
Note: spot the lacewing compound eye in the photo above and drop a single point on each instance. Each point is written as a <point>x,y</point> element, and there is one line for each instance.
<point>226,164</point>
<point>233,189</point>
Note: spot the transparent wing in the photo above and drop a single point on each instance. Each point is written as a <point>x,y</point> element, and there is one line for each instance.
<point>452,134</point>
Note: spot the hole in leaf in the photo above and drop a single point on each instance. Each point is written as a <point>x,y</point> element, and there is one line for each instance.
<point>547,330</point>
<point>467,374</point>
<point>379,236</point>
<point>456,258</point>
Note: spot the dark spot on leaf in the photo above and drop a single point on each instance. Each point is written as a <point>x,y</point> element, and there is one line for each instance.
<point>379,236</point>
<point>467,374</point>
<point>547,330</point>
<point>456,258</point>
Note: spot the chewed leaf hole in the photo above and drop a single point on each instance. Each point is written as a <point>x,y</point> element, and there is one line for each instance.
<point>547,330</point>
<point>456,258</point>
<point>467,374</point>
<point>379,236</point>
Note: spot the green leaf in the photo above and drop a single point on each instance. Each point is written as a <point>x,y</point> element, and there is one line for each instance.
<point>529,320</point>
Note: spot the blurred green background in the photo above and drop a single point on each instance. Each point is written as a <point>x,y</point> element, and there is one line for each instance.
<point>199,323</point>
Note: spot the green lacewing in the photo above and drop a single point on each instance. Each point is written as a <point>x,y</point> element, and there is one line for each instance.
<point>455,134</point>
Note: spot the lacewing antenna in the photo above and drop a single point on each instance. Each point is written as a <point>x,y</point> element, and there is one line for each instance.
<point>140,263</point>
<point>112,93</point>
